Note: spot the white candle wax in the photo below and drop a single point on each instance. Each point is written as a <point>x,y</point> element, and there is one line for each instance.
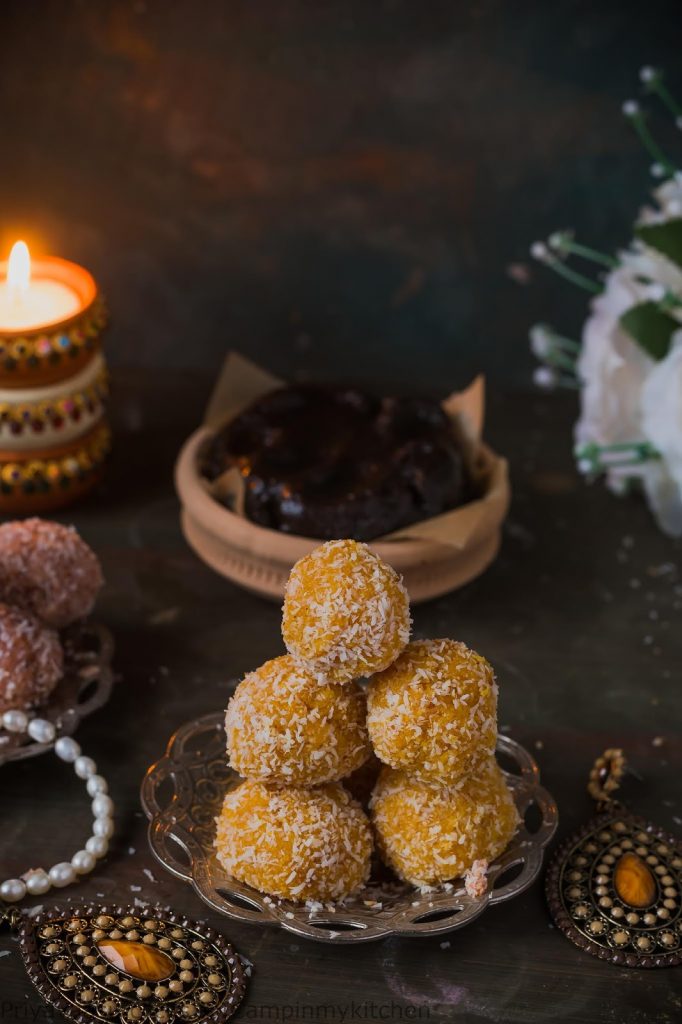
<point>43,302</point>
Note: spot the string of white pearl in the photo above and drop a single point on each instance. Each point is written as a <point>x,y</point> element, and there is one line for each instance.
<point>37,881</point>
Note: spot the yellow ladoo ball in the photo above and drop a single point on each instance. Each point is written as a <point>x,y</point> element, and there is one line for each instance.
<point>284,725</point>
<point>346,612</point>
<point>433,712</point>
<point>300,844</point>
<point>430,834</point>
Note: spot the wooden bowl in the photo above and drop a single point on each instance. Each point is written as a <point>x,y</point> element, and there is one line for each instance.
<point>260,560</point>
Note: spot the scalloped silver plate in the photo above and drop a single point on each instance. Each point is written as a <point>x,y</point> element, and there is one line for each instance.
<point>85,687</point>
<point>182,793</point>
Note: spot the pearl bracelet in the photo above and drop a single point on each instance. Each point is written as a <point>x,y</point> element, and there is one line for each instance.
<point>37,881</point>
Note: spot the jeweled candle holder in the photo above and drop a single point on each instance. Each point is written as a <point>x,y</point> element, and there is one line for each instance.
<point>54,434</point>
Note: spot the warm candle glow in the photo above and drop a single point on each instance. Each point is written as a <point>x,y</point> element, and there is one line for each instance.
<point>34,296</point>
<point>19,269</point>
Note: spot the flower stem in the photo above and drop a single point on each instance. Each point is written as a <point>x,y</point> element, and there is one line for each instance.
<point>650,144</point>
<point>657,86</point>
<point>596,458</point>
<point>565,244</point>
<point>574,276</point>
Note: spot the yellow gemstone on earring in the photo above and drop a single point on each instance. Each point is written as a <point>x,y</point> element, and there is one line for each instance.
<point>634,881</point>
<point>135,958</point>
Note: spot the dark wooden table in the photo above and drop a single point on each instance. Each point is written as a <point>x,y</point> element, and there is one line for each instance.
<point>580,616</point>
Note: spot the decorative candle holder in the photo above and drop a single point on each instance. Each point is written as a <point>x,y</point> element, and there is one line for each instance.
<point>53,352</point>
<point>54,436</point>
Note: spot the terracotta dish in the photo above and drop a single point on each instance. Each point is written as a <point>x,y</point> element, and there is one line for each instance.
<point>434,557</point>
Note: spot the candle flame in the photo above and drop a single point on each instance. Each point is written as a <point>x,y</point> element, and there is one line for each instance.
<point>19,268</point>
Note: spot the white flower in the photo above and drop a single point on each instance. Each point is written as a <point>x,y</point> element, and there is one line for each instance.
<point>643,261</point>
<point>662,426</point>
<point>669,197</point>
<point>612,368</point>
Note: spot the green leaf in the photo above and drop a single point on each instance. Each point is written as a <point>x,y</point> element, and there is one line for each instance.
<point>651,328</point>
<point>665,238</point>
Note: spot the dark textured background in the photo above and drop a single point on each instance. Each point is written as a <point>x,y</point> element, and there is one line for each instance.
<point>335,188</point>
<point>341,188</point>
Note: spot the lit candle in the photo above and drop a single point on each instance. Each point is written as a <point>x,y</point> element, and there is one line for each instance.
<point>29,301</point>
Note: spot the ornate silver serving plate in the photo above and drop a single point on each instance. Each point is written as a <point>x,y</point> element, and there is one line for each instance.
<point>182,794</point>
<point>85,687</point>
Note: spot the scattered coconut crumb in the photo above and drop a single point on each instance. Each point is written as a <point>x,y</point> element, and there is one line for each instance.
<point>5,952</point>
<point>475,881</point>
<point>445,945</point>
<point>136,888</point>
<point>150,876</point>
<point>657,741</point>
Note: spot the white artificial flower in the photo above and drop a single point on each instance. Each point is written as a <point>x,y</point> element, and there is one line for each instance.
<point>612,367</point>
<point>662,426</point>
<point>669,197</point>
<point>643,261</point>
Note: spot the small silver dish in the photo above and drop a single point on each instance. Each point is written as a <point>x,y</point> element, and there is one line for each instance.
<point>182,794</point>
<point>85,687</point>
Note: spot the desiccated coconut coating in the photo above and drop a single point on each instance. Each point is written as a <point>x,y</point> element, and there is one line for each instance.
<point>300,844</point>
<point>430,834</point>
<point>48,570</point>
<point>286,726</point>
<point>346,612</point>
<point>434,711</point>
<point>31,660</point>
